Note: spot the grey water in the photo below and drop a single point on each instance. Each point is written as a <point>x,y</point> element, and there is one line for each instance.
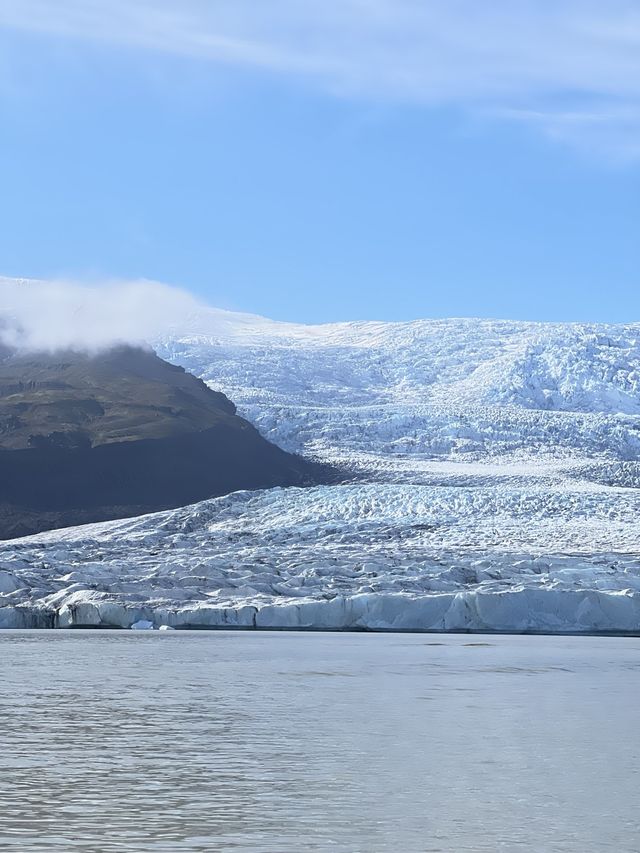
<point>230,741</point>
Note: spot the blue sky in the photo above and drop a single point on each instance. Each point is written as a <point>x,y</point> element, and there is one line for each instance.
<point>343,159</point>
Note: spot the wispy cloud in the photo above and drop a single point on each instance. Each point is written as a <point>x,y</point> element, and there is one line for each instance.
<point>601,128</point>
<point>573,63</point>
<point>51,315</point>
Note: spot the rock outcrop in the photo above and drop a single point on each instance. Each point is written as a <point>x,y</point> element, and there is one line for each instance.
<point>94,437</point>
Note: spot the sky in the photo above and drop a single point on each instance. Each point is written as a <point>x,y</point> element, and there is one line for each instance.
<point>323,160</point>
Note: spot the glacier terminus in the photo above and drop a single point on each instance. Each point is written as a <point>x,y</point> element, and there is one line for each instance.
<point>489,481</point>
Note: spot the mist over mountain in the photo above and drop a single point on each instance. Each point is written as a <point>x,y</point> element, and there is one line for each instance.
<point>44,316</point>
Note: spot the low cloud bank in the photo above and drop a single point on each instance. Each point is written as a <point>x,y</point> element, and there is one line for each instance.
<point>52,315</point>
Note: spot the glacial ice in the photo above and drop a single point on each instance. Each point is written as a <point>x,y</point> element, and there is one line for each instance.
<point>491,483</point>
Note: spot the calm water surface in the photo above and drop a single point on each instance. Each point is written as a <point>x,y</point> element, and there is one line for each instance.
<point>280,742</point>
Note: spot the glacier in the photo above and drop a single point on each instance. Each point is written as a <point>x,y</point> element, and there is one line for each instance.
<point>490,482</point>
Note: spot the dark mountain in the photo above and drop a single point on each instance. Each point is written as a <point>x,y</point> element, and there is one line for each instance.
<point>89,438</point>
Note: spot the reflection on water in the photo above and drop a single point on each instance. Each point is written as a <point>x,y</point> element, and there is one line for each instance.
<point>279,742</point>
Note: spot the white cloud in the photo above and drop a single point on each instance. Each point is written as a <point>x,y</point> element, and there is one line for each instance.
<point>551,57</point>
<point>612,130</point>
<point>50,315</point>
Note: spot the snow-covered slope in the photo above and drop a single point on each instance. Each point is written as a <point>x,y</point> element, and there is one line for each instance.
<point>497,487</point>
<point>370,392</point>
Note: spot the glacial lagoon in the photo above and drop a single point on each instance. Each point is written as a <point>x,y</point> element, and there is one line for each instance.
<point>285,741</point>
